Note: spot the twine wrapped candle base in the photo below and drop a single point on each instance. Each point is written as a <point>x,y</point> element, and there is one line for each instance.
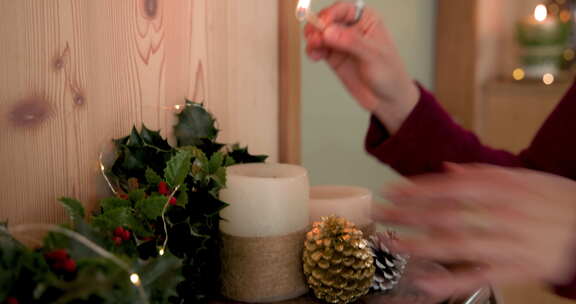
<point>263,269</point>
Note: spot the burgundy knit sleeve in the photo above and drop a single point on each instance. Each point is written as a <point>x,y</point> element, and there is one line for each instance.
<point>427,138</point>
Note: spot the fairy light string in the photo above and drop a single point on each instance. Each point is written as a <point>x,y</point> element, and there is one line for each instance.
<point>163,248</point>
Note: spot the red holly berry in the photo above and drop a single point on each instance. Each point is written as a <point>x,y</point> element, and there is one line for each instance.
<point>57,255</point>
<point>123,196</point>
<point>163,188</point>
<point>119,231</point>
<point>117,240</point>
<point>12,300</point>
<point>126,235</point>
<point>173,201</point>
<point>69,266</point>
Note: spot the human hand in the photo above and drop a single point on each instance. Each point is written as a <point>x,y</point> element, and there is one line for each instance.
<point>504,225</point>
<point>365,59</point>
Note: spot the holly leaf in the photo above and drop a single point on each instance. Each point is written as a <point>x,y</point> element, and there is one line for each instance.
<point>161,276</point>
<point>152,177</point>
<point>178,168</point>
<point>122,216</point>
<point>134,139</point>
<point>242,156</point>
<point>154,140</point>
<point>194,124</point>
<point>137,195</point>
<point>182,198</point>
<point>209,147</point>
<point>216,162</point>
<point>229,161</point>
<point>74,208</point>
<point>110,203</point>
<point>220,178</point>
<point>152,207</point>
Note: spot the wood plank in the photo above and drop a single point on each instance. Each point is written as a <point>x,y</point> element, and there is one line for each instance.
<point>290,84</point>
<point>74,74</point>
<point>513,112</point>
<point>456,50</point>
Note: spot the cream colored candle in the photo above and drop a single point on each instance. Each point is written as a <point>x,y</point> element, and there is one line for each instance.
<point>265,200</point>
<point>263,232</point>
<point>352,203</point>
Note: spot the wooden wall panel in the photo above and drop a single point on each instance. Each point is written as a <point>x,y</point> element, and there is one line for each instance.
<point>74,74</point>
<point>456,50</point>
<point>290,84</point>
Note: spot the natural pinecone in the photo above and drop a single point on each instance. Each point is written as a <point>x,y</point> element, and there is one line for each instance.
<point>389,265</point>
<point>338,263</point>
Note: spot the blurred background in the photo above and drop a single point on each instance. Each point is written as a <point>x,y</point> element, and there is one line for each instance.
<point>499,67</point>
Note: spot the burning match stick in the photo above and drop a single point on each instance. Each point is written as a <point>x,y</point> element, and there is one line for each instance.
<point>304,13</point>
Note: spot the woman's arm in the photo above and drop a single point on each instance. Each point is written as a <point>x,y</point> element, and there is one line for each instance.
<point>428,138</point>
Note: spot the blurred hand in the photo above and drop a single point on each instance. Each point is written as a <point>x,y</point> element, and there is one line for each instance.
<point>500,225</point>
<point>365,59</point>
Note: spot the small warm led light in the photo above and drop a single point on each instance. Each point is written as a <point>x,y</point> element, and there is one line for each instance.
<point>540,12</point>
<point>178,107</point>
<point>518,74</point>
<point>548,79</point>
<point>161,251</point>
<point>135,279</point>
<point>569,54</point>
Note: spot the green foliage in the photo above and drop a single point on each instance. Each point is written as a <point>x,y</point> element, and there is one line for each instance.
<point>177,168</point>
<point>74,208</point>
<point>152,177</point>
<point>187,272</point>
<point>195,125</point>
<point>113,202</point>
<point>241,155</point>
<point>151,208</point>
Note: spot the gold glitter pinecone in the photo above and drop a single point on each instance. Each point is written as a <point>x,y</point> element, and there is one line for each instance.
<point>338,264</point>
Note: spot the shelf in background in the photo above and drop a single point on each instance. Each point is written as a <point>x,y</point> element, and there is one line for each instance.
<point>510,113</point>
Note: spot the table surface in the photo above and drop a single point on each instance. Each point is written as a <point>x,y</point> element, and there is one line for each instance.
<point>404,293</point>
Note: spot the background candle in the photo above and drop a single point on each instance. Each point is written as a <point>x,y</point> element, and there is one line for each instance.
<point>542,39</point>
<point>352,203</point>
<point>263,232</point>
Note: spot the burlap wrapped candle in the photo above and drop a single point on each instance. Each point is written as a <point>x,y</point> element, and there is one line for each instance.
<point>263,232</point>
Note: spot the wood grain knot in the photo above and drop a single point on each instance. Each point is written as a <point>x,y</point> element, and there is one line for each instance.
<point>58,63</point>
<point>151,8</point>
<point>79,99</point>
<point>30,113</point>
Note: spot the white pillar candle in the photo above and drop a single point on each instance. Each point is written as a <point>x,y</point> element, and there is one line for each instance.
<point>265,200</point>
<point>263,232</point>
<point>352,203</point>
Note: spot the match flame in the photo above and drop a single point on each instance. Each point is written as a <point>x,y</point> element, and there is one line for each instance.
<point>540,12</point>
<point>302,9</point>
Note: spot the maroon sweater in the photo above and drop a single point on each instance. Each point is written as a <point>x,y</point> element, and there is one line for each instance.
<point>430,137</point>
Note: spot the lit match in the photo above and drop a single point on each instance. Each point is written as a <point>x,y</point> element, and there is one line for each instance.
<point>303,13</point>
